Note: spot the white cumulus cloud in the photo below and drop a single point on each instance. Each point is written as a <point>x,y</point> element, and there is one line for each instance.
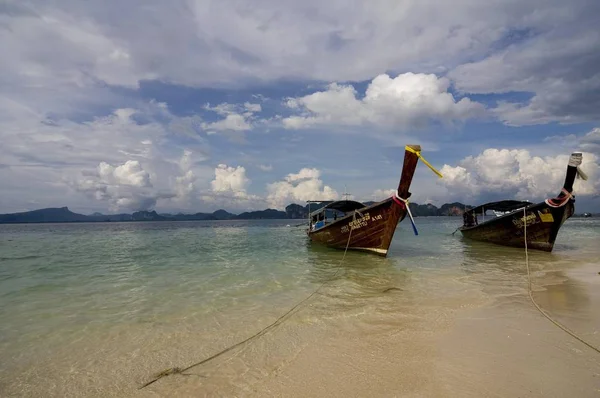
<point>237,117</point>
<point>516,174</point>
<point>124,187</point>
<point>230,179</point>
<point>130,173</point>
<point>185,184</point>
<point>299,187</point>
<point>591,141</point>
<point>130,148</point>
<point>408,100</point>
<point>233,122</point>
<point>265,167</point>
<point>229,190</point>
<point>252,107</point>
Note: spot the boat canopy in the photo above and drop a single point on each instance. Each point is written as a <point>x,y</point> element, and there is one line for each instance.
<point>503,206</point>
<point>341,205</point>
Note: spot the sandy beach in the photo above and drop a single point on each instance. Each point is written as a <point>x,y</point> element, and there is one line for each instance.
<point>492,347</point>
<point>509,349</point>
<point>446,320</point>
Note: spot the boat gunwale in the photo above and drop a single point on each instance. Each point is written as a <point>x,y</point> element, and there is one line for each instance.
<point>327,206</point>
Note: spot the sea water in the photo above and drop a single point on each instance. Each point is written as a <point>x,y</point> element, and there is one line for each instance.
<point>95,309</point>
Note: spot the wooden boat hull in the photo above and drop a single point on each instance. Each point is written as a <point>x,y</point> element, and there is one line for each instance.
<point>370,229</point>
<point>543,224</point>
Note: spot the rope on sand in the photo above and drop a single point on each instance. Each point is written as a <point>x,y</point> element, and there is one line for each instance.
<point>530,291</point>
<point>265,330</point>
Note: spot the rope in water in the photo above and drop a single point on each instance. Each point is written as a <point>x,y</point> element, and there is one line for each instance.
<point>278,321</point>
<point>530,291</point>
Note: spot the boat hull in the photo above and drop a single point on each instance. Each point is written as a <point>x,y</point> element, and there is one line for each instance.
<point>543,223</point>
<point>369,229</point>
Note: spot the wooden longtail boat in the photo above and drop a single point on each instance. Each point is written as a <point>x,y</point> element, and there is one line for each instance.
<point>349,224</point>
<point>543,220</point>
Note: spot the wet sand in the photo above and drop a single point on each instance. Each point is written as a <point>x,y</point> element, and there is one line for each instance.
<point>426,333</point>
<point>467,343</point>
<point>510,350</point>
<point>504,348</point>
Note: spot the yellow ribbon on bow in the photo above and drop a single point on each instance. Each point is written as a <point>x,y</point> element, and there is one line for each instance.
<point>418,153</point>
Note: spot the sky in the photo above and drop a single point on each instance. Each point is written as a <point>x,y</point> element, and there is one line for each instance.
<point>197,105</point>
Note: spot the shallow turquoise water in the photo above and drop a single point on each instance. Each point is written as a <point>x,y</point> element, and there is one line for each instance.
<point>111,289</point>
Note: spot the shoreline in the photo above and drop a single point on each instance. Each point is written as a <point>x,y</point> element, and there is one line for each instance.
<point>501,346</point>
<point>467,329</point>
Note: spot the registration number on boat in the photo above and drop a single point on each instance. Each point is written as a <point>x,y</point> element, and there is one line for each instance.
<point>529,220</point>
<point>360,222</point>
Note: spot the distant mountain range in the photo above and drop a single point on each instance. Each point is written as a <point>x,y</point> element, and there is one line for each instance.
<point>293,211</point>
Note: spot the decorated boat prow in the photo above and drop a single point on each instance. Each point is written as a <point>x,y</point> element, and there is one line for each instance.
<point>351,225</point>
<point>543,220</point>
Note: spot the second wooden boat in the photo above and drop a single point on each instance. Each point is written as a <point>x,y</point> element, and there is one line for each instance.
<point>543,220</point>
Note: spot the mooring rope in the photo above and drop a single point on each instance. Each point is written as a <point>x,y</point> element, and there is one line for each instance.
<point>263,331</point>
<point>530,291</point>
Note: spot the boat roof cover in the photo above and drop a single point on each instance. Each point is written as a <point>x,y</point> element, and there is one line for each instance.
<point>341,205</point>
<point>503,205</point>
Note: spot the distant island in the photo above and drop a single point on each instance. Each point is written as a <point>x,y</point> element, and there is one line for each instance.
<point>292,211</point>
